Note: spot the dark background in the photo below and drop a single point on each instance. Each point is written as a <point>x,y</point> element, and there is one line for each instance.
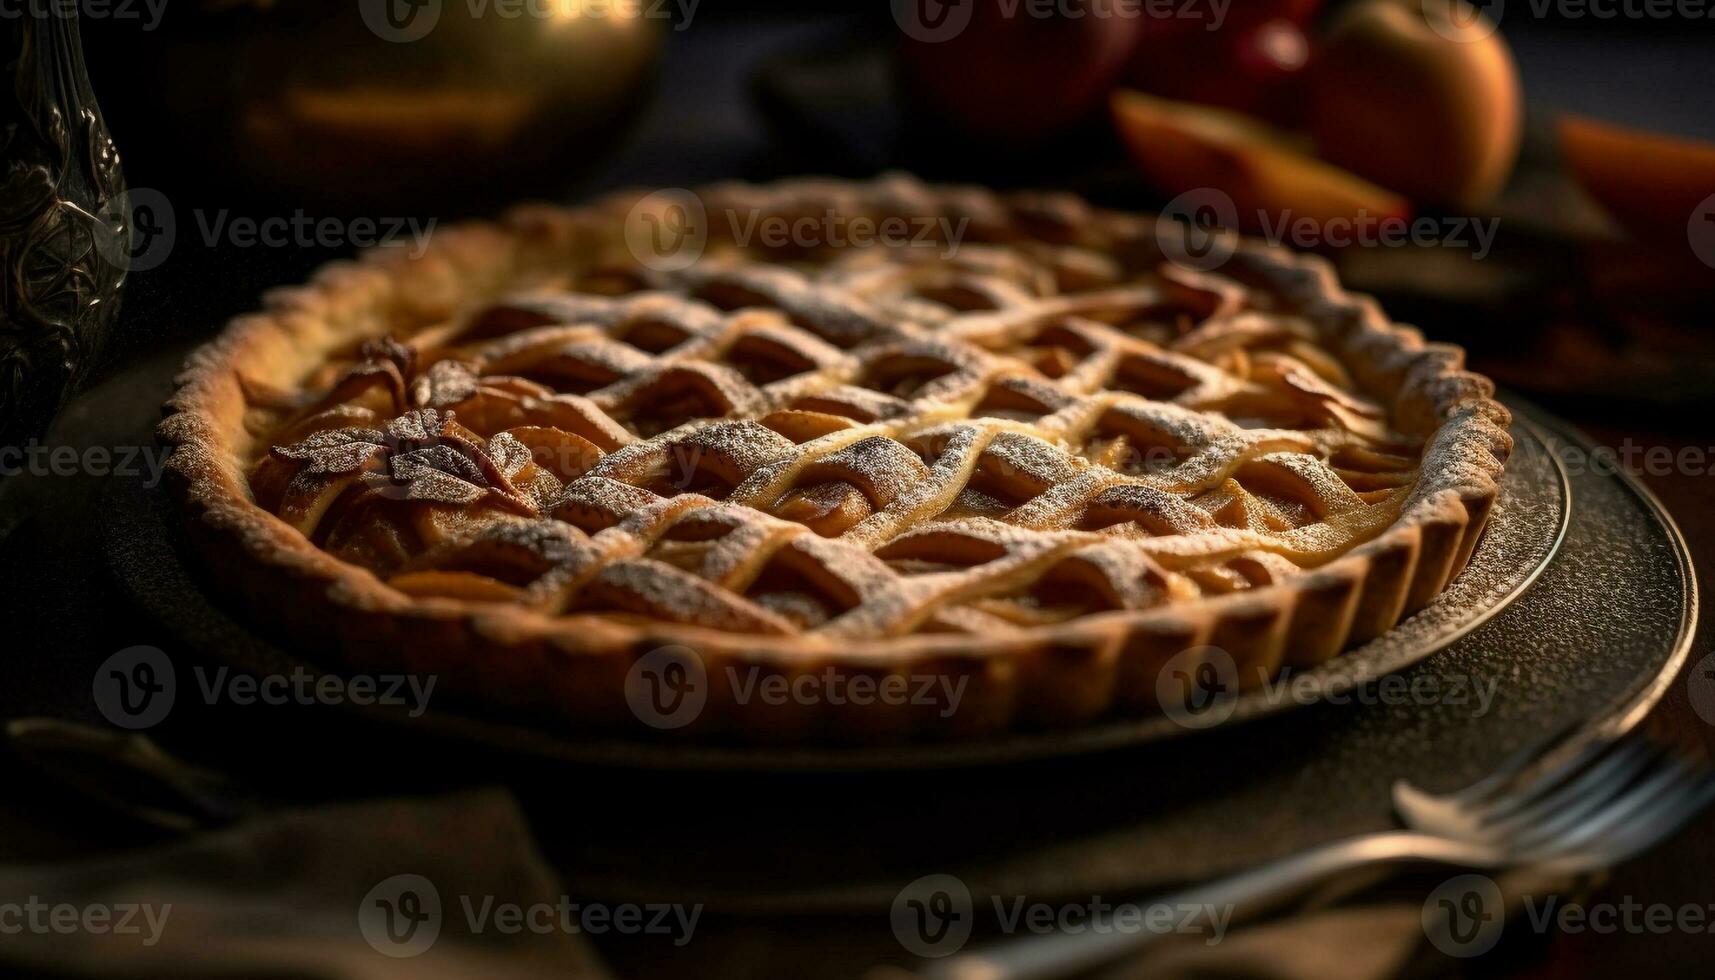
<point>757,90</point>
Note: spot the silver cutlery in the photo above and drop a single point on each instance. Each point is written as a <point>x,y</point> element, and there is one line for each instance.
<point>1564,810</point>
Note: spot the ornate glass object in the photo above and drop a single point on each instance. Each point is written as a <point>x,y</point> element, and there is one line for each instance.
<point>64,228</point>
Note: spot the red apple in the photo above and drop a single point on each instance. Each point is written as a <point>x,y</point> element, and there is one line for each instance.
<point>1250,61</point>
<point>1240,15</point>
<point>1013,77</point>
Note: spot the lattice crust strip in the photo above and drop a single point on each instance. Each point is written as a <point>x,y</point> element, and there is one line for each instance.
<point>1047,437</point>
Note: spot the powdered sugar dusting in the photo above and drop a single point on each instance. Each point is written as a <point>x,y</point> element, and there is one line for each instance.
<point>1130,436</point>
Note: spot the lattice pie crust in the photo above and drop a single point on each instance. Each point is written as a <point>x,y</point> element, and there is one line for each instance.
<point>1041,460</point>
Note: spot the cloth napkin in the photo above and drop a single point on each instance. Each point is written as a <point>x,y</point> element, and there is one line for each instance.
<point>308,893</point>
<point>289,894</point>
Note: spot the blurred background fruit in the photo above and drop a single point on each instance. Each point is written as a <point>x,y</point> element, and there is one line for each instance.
<point>1252,59</point>
<point>1270,176</point>
<point>1652,183</point>
<point>1016,79</point>
<point>1422,97</point>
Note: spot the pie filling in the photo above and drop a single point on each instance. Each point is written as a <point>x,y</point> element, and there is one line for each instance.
<point>866,444</point>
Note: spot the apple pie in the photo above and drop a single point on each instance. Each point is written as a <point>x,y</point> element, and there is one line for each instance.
<point>1021,447</point>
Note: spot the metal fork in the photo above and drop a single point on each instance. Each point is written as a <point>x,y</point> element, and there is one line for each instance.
<point>1567,812</point>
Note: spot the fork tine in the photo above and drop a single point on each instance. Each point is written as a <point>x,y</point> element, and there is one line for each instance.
<point>1497,781</point>
<point>1576,795</point>
<point>1639,801</point>
<point>1502,794</point>
<point>1542,784</point>
<point>1664,822</point>
<point>1648,792</point>
<point>1577,814</point>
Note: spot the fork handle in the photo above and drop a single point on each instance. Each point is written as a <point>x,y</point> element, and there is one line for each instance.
<point>1244,895</point>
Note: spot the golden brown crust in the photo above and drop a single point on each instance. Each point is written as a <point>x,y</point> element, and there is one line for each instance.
<point>575,665</point>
